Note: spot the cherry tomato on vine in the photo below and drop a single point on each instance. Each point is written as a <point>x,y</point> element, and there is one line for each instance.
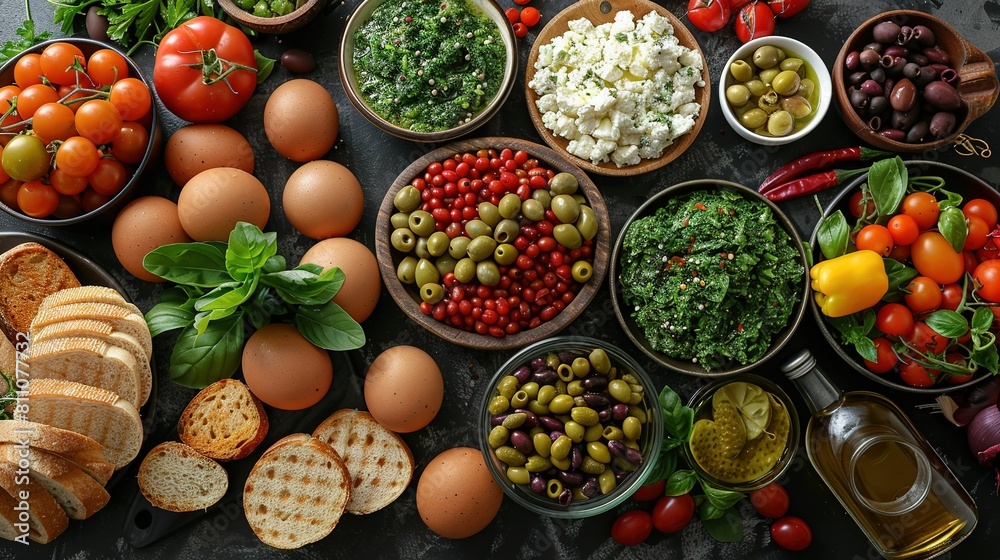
<point>130,145</point>
<point>987,277</point>
<point>989,251</point>
<point>791,533</point>
<point>69,206</point>
<point>951,296</point>
<point>77,157</point>
<point>885,359</point>
<point>106,67</point>
<point>978,233</point>
<point>98,121</point>
<point>934,257</point>
<point>957,359</point>
<point>922,207</point>
<point>513,16</point>
<point>787,8</point>
<point>923,294</point>
<point>708,15</point>
<point>855,205</point>
<point>649,492</point>
<point>900,253</point>
<point>8,192</point>
<point>904,229</point>
<point>24,158</point>
<point>54,121</point>
<point>72,97</point>
<point>66,184</point>
<point>37,199</point>
<point>632,527</point>
<point>91,200</point>
<point>33,97</point>
<point>520,30</point>
<point>925,339</point>
<point>754,20</point>
<point>530,16</point>
<point>916,375</point>
<point>875,238</point>
<point>132,98</point>
<point>673,513</point>
<point>770,501</point>
<point>109,178</point>
<point>894,319</point>
<point>7,93</point>
<point>28,70</point>
<point>62,62</point>
<point>982,209</point>
<point>521,2</point>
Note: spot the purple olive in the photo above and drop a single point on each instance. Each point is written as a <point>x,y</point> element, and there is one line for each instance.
<point>545,377</point>
<point>923,35</point>
<point>566,357</point>
<point>877,47</point>
<point>859,99</point>
<point>575,456</point>
<point>633,456</point>
<point>911,70</point>
<point>550,424</point>
<point>538,363</point>
<point>522,442</point>
<point>857,78</point>
<point>919,59</point>
<point>604,414</point>
<point>595,382</point>
<point>936,54</point>
<point>619,412</point>
<point>556,434</point>
<point>926,76</point>
<point>566,497</point>
<point>298,61</point>
<point>498,419</point>
<point>571,478</point>
<point>942,96</point>
<point>878,105</point>
<point>885,32</point>
<point>97,25</point>
<point>522,375</point>
<point>877,74</point>
<point>918,132</point>
<point>871,87</point>
<point>903,96</point>
<point>893,134</point>
<point>617,449</point>
<point>596,400</point>
<point>950,77</point>
<point>893,64</point>
<point>530,419</point>
<point>537,483</point>
<point>895,50</point>
<point>875,123</point>
<point>852,60</point>
<point>905,35</point>
<point>942,123</point>
<point>591,488</point>
<point>869,59</point>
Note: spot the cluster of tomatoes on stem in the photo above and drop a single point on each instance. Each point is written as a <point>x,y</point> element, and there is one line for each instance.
<point>754,18</point>
<point>523,18</point>
<point>72,129</point>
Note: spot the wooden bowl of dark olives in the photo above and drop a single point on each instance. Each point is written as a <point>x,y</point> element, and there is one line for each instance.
<point>906,81</point>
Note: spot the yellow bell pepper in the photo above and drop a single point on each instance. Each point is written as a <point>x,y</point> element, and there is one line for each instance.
<point>849,283</point>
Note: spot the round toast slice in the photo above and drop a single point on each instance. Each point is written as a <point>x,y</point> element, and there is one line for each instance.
<point>175,477</point>
<point>224,421</point>
<point>29,273</point>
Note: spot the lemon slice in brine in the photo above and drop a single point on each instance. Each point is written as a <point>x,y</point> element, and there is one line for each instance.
<point>751,402</point>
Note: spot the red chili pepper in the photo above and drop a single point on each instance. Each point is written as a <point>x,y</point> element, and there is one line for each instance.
<point>811,184</point>
<point>818,160</point>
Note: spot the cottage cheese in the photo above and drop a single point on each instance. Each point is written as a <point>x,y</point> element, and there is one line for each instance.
<point>620,91</point>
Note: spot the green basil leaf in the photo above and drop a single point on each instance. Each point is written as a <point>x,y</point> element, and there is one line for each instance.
<point>683,423</point>
<point>987,358</point>
<point>666,462</point>
<point>274,264</point>
<point>708,511</point>
<point>952,199</point>
<point>951,224</point>
<point>328,326</point>
<point>726,528</point>
<point>249,248</point>
<point>887,181</point>
<point>720,498</point>
<point>310,267</point>
<point>264,66</point>
<point>194,264</point>
<point>982,320</point>
<point>227,296</point>
<point>866,348</point>
<point>669,400</point>
<point>168,316</point>
<point>670,443</point>
<point>948,323</point>
<point>681,482</point>
<point>847,325</point>
<point>899,277</point>
<point>262,306</point>
<point>199,360</point>
<point>833,235</point>
<point>302,287</point>
<point>867,321</point>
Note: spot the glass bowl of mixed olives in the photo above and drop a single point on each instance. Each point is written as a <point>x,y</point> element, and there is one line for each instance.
<point>570,427</point>
<point>775,90</point>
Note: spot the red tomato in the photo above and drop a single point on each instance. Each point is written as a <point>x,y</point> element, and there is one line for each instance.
<point>109,178</point>
<point>61,62</point>
<point>981,208</point>
<point>791,533</point>
<point>106,67</point>
<point>99,121</point>
<point>513,16</point>
<point>934,257</point>
<point>989,251</point>
<point>632,527</point>
<point>886,357</point>
<point>673,513</point>
<point>131,143</point>
<point>521,2</point>
<point>904,229</point>
<point>132,98</point>
<point>520,30</point>
<point>735,5</point>
<point>708,15</point>
<point>66,184</point>
<point>530,16</point>
<point>922,207</point>
<point>987,277</point>
<point>188,80</point>
<point>957,378</point>
<point>787,8</point>
<point>875,238</point>
<point>925,339</point>
<point>894,319</point>
<point>923,294</point>
<point>900,253</point>
<point>951,296</point>
<point>770,501</point>
<point>37,199</point>
<point>978,232</point>
<point>649,492</point>
<point>857,210</point>
<point>28,70</point>
<point>77,157</point>
<point>754,20</point>
<point>54,121</point>
<point>33,97</point>
<point>916,375</point>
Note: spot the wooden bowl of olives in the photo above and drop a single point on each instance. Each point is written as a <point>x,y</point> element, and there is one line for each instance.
<point>262,16</point>
<point>906,81</point>
<point>775,90</point>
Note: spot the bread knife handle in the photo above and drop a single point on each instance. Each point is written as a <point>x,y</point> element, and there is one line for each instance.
<point>147,524</point>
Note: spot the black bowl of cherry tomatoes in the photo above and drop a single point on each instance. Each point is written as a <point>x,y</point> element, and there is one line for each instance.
<point>79,128</point>
<point>934,329</point>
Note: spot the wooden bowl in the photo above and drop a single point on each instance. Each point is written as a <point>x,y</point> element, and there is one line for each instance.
<point>977,87</point>
<point>603,11</point>
<point>274,25</point>
<point>408,299</point>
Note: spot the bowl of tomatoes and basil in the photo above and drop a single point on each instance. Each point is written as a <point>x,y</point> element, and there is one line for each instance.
<point>923,237</point>
<point>79,128</point>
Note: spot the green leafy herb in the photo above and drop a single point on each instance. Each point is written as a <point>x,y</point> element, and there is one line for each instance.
<point>264,66</point>
<point>27,37</point>
<point>952,225</point>
<point>8,394</point>
<point>222,286</point>
<point>833,235</point>
<point>948,323</point>
<point>899,277</point>
<point>855,333</point>
<point>681,482</point>
<point>887,179</point>
<point>726,528</point>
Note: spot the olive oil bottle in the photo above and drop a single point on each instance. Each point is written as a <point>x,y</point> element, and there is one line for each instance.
<point>897,489</point>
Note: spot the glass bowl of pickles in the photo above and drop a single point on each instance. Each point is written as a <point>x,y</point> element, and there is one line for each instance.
<point>745,433</point>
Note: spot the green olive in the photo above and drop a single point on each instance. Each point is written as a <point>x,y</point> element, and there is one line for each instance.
<point>561,447</point>
<point>538,408</point>
<point>510,456</point>
<point>567,235</point>
<point>536,463</point>
<point>563,183</point>
<point>420,249</point>
<point>565,372</point>
<point>781,123</point>
<point>587,222</point>
<point>561,464</point>
<point>505,254</point>
<point>481,248</point>
<point>592,466</point>
<point>519,475</point>
<point>489,213</point>
<point>515,420</point>
<point>487,273</point>
<point>542,444</point>
<point>465,270</point>
<point>797,105</point>
<point>600,361</point>
<point>769,102</point>
<point>421,223</point>
<point>507,387</point>
<point>531,389</point>
<point>426,273</point>
<point>437,243</point>
<point>533,210</point>
<point>574,430</point>
<point>737,95</point>
<point>509,205</point>
<point>407,199</point>
<point>498,436</point>
<point>632,428</point>
<point>741,71</point>
<point>792,63</point>
<point>459,246</point>
<point>506,231</point>
<point>806,87</point>
<point>575,388</point>
<point>766,57</point>
<point>581,367</point>
<point>519,399</point>
<point>607,481</point>
<point>403,240</point>
<point>756,87</point>
<point>782,55</point>
<point>561,404</point>
<point>445,264</point>
<point>498,405</point>
<point>584,415</point>
<point>619,390</point>
<point>543,196</point>
<point>767,76</point>
<point>565,208</point>
<point>546,393</point>
<point>407,270</point>
<point>400,220</point>
<point>477,228</point>
<point>638,413</point>
<point>432,293</point>
<point>580,199</point>
<point>599,452</point>
<point>612,433</point>
<point>785,83</point>
<point>593,433</point>
<point>582,271</point>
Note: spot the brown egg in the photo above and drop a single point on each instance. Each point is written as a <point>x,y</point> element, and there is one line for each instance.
<point>300,120</point>
<point>456,495</point>
<point>213,201</point>
<point>362,282</point>
<point>323,199</point>
<point>143,225</point>
<point>284,370</point>
<point>404,389</point>
<point>197,147</point>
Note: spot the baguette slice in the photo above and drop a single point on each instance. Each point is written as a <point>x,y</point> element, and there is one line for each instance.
<point>379,461</point>
<point>89,361</point>
<point>8,358</point>
<point>96,413</point>
<point>28,273</point>
<point>175,477</point>
<point>46,517</point>
<point>78,494</point>
<point>92,294</point>
<point>224,421</point>
<point>101,330</point>
<point>81,450</point>
<point>119,318</point>
<point>296,493</point>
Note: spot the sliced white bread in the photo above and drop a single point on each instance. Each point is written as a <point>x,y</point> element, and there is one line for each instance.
<point>296,493</point>
<point>102,330</point>
<point>380,463</point>
<point>96,413</point>
<point>29,273</point>
<point>119,318</point>
<point>81,450</point>
<point>46,518</point>
<point>8,517</point>
<point>78,494</point>
<point>84,294</point>
<point>175,477</point>
<point>224,421</point>
<point>8,357</point>
<point>89,361</point>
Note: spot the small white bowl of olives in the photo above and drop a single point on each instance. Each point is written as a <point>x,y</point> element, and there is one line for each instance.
<point>775,90</point>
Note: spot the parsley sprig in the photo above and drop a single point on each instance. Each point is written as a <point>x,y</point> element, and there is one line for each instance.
<point>27,37</point>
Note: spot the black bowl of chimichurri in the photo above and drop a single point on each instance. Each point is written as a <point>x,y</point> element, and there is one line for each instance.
<point>428,71</point>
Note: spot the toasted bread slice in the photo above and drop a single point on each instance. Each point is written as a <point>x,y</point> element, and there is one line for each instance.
<point>379,461</point>
<point>101,330</point>
<point>78,494</point>
<point>29,273</point>
<point>175,477</point>
<point>46,518</point>
<point>89,361</point>
<point>81,450</point>
<point>296,493</point>
<point>91,294</point>
<point>119,318</point>
<point>96,413</point>
<point>224,421</point>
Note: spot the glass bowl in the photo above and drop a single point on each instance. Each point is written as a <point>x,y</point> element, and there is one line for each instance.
<point>649,441</point>
<point>701,402</point>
